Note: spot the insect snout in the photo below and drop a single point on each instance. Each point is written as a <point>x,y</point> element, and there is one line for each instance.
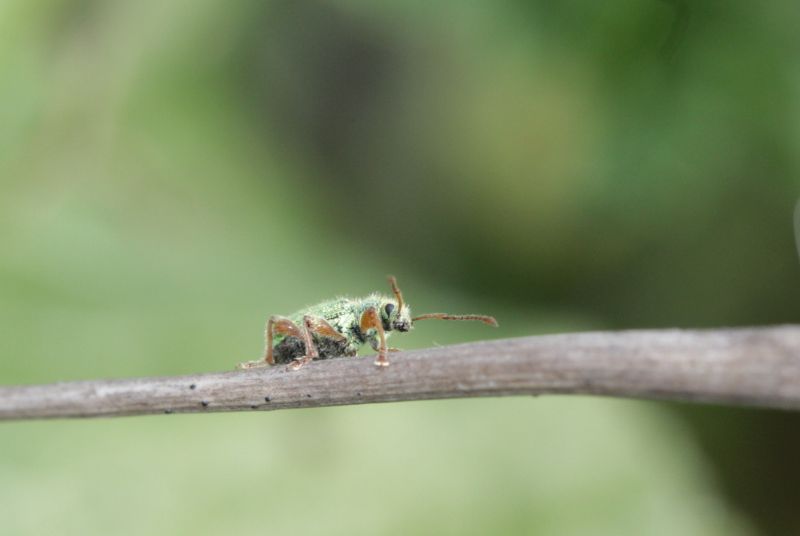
<point>402,326</point>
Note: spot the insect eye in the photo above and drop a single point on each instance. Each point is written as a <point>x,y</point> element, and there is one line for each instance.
<point>389,307</point>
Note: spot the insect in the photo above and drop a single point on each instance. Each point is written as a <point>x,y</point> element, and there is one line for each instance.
<point>338,327</point>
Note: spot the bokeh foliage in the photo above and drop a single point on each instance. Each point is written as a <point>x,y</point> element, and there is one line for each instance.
<point>171,173</point>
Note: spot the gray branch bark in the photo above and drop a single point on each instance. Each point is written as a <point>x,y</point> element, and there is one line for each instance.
<point>746,366</point>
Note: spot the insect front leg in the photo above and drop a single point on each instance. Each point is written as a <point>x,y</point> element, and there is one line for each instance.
<point>370,319</point>
<point>275,324</point>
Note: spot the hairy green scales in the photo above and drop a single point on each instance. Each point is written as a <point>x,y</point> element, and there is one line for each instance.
<point>344,315</point>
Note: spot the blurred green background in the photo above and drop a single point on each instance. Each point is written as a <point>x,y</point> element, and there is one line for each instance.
<point>172,173</point>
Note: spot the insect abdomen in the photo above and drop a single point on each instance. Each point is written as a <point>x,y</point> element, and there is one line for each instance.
<point>291,347</point>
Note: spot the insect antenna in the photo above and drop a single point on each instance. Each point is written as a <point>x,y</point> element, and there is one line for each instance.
<point>490,320</point>
<point>397,293</point>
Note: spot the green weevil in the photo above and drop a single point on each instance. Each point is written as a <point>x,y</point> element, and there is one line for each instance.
<point>338,327</point>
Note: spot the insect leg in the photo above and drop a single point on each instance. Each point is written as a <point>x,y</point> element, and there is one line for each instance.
<point>283,326</point>
<point>275,324</point>
<point>311,350</point>
<point>320,326</point>
<point>371,320</point>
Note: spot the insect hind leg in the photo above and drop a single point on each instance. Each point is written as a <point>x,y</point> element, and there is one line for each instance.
<point>311,349</point>
<point>330,343</point>
<point>276,324</point>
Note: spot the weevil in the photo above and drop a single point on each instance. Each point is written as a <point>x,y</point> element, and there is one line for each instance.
<point>339,327</point>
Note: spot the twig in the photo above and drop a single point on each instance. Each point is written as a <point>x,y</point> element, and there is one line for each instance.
<point>746,366</point>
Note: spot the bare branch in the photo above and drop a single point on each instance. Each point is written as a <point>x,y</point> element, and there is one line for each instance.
<point>746,366</point>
